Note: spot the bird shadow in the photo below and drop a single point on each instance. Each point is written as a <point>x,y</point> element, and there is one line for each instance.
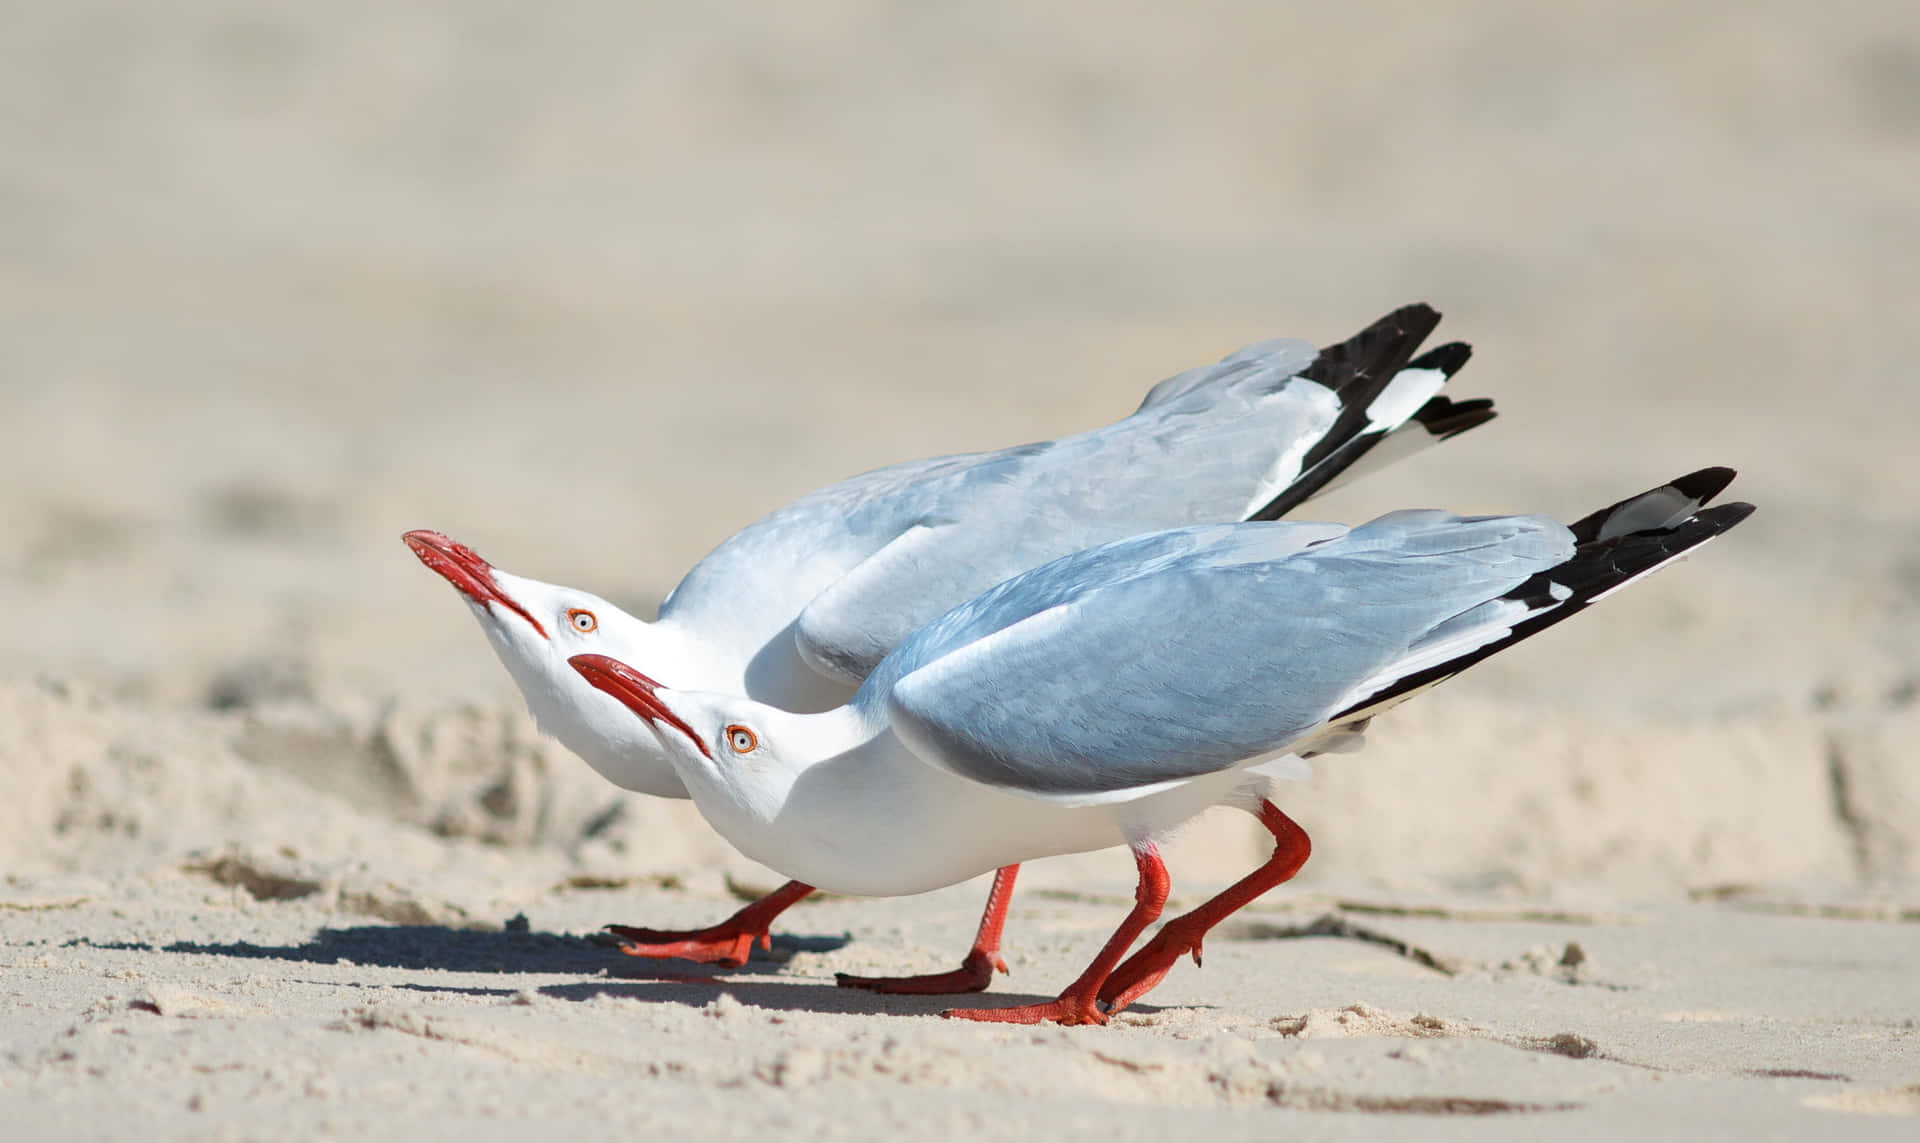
<point>609,973</point>
<point>795,995</point>
<point>447,949</point>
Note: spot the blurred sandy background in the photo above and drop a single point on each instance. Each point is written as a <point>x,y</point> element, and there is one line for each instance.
<point>590,285</point>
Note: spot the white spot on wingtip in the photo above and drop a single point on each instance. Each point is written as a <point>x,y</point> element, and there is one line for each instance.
<point>1403,396</point>
<point>1662,508</point>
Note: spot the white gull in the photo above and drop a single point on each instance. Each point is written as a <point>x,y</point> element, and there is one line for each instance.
<point>1109,696</point>
<point>797,608</point>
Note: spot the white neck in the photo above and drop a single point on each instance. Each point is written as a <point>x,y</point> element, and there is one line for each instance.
<point>592,725</point>
<point>753,790</point>
<point>844,804</point>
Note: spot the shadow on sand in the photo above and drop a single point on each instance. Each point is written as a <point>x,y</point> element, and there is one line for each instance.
<point>434,948</point>
<point>475,950</point>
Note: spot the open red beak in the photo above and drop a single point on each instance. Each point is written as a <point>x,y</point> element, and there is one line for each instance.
<point>462,567</point>
<point>636,692</point>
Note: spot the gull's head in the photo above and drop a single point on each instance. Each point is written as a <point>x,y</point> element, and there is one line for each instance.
<point>535,628</point>
<point>722,742</point>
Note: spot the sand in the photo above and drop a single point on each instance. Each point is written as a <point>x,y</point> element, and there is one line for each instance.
<point>589,286</point>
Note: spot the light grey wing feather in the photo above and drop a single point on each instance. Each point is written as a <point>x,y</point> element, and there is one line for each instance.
<point>854,569</point>
<point>837,634</point>
<point>1286,354</point>
<point>1195,454</point>
<point>1223,653</point>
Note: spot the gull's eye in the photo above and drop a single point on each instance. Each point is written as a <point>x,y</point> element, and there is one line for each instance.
<point>582,619</point>
<point>742,740</point>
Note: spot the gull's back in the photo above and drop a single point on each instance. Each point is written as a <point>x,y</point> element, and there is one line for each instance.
<point>1179,654</point>
<point>855,568</point>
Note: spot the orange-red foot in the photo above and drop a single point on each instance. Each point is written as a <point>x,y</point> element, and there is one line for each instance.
<point>973,975</point>
<point>1139,973</point>
<point>1068,1009</point>
<point>728,943</point>
<point>725,944</point>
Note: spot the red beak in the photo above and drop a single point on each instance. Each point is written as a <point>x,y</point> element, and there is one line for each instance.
<point>636,692</point>
<point>462,567</point>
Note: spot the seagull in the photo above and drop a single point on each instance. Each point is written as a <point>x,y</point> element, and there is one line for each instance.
<point>1111,695</point>
<point>797,609</point>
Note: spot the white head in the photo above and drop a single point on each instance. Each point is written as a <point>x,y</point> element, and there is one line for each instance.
<point>534,628</point>
<point>745,753</point>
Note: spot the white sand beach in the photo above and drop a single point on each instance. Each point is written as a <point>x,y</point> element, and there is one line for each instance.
<point>588,286</point>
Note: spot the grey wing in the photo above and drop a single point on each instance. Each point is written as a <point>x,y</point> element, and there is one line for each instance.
<point>1286,354</point>
<point>1198,457</point>
<point>787,557</point>
<point>846,630</point>
<point>1205,662</point>
<point>1255,434</point>
<point>1213,444</point>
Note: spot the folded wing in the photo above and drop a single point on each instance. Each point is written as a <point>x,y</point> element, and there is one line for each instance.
<point>1109,673</point>
<point>1255,434</point>
<point>1198,660</point>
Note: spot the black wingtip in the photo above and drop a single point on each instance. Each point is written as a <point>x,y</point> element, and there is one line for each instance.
<point>1416,313</point>
<point>1360,369</point>
<point>1726,515</point>
<point>1444,417</point>
<point>1697,487</point>
<point>1448,358</point>
<point>1705,484</point>
<point>1598,569</point>
<point>1371,358</point>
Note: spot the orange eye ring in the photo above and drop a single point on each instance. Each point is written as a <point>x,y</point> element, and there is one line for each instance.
<point>582,620</point>
<point>741,740</point>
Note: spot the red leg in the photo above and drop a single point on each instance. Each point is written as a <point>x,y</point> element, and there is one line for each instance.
<point>1184,933</point>
<point>728,943</point>
<point>974,973</point>
<point>1076,1005</point>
